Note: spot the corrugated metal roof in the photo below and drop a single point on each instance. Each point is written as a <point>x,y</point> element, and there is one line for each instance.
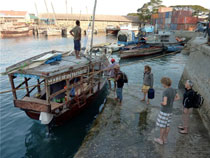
<point>83,17</point>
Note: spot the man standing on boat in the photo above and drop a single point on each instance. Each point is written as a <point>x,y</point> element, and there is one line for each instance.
<point>76,33</point>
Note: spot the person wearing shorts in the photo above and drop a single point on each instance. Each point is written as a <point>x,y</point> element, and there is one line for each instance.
<point>147,82</point>
<point>165,115</point>
<point>76,33</point>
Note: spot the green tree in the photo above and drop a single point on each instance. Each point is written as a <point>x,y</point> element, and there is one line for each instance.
<point>148,9</point>
<point>196,9</point>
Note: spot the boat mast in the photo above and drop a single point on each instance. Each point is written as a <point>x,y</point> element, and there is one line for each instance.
<point>93,21</point>
<point>36,9</point>
<point>67,18</point>
<point>53,13</point>
<point>47,9</point>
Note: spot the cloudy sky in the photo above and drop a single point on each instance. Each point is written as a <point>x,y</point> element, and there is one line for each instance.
<point>115,7</point>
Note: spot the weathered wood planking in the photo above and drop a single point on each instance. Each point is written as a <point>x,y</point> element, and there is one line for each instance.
<point>33,104</point>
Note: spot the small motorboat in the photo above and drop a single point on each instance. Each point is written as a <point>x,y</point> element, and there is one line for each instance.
<point>174,48</point>
<point>163,38</point>
<point>110,29</point>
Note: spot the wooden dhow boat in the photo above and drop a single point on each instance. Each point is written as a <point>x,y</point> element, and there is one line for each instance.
<point>16,32</point>
<point>61,87</point>
<point>141,52</point>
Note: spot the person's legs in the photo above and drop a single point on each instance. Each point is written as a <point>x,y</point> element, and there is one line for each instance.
<point>162,122</point>
<point>160,139</point>
<point>162,133</point>
<point>144,96</point>
<point>110,86</point>
<point>165,138</point>
<point>119,94</point>
<point>147,100</point>
<point>115,84</point>
<point>77,48</point>
<point>186,114</point>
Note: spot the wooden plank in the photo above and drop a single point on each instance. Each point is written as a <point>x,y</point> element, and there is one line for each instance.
<point>13,87</point>
<point>27,89</point>
<point>47,87</point>
<point>35,104</point>
<point>67,75</point>
<point>57,93</point>
<point>38,86</point>
<point>32,104</point>
<point>22,83</point>
<point>67,90</point>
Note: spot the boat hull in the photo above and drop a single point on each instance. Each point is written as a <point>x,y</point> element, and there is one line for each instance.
<point>72,112</point>
<point>112,31</point>
<point>140,52</point>
<point>10,34</point>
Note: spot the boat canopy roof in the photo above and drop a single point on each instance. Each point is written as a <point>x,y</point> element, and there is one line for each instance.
<point>50,64</point>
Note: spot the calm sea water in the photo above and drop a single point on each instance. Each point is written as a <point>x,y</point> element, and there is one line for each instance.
<point>22,137</point>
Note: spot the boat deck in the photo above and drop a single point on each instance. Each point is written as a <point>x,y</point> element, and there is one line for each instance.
<point>58,67</point>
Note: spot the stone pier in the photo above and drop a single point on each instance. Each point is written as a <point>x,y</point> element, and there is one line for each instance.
<point>197,69</point>
<point>128,130</point>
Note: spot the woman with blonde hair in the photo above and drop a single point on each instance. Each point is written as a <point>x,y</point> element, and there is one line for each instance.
<point>147,81</point>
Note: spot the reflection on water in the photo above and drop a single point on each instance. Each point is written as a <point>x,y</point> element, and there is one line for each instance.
<point>63,140</point>
<point>143,119</point>
<point>23,137</point>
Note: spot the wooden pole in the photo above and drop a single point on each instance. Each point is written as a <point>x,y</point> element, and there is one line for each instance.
<point>27,89</point>
<point>38,86</point>
<point>13,87</point>
<point>99,83</point>
<point>67,90</point>
<point>47,88</point>
<point>93,21</point>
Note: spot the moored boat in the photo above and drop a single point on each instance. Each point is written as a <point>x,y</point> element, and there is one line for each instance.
<point>62,85</point>
<point>110,29</point>
<point>53,32</point>
<point>141,52</point>
<point>16,32</point>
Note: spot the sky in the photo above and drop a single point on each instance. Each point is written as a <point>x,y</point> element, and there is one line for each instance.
<point>111,7</point>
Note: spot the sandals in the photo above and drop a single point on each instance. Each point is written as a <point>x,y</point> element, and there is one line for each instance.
<point>183,132</point>
<point>158,140</point>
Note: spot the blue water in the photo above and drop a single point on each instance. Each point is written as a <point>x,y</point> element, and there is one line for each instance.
<point>22,137</point>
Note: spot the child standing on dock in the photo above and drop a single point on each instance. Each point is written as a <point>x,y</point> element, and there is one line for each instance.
<point>147,81</point>
<point>164,117</point>
<point>76,33</point>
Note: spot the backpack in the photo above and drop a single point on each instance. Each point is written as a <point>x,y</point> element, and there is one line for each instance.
<point>151,93</point>
<point>125,78</point>
<point>197,100</point>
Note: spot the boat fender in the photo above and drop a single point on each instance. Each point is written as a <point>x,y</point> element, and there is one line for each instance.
<point>45,117</point>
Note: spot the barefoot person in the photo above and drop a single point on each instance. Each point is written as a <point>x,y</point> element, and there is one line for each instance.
<point>147,82</point>
<point>187,103</point>
<point>76,33</point>
<point>164,117</point>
